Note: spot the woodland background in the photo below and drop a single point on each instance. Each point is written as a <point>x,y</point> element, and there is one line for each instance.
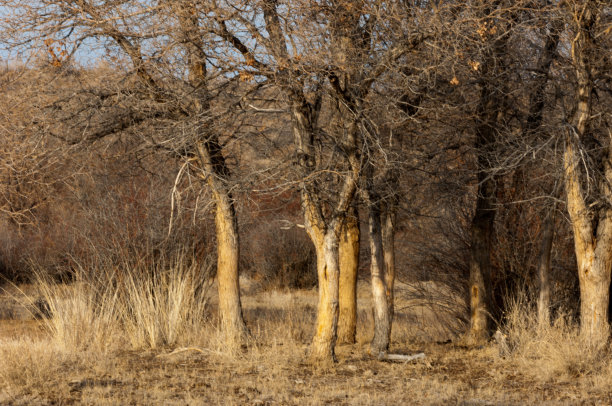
<point>153,146</point>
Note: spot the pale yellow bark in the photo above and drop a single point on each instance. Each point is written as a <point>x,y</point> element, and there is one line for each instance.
<point>212,162</point>
<point>324,340</point>
<point>592,245</point>
<point>230,308</point>
<point>228,253</point>
<point>349,265</point>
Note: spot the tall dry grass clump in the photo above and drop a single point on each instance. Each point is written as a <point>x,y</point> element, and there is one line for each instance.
<point>84,315</point>
<point>554,352</point>
<point>138,304</point>
<point>166,306</point>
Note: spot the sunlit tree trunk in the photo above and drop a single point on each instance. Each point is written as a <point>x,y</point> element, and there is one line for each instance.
<point>591,223</point>
<point>212,162</point>
<point>349,266</point>
<point>328,272</point>
<point>325,233</point>
<point>228,253</point>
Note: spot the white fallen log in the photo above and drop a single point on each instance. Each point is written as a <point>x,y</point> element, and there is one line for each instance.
<point>401,357</point>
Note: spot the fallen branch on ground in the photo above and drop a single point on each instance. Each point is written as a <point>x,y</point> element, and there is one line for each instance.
<point>400,357</point>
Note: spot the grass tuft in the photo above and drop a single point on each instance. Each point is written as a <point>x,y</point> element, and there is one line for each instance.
<point>556,352</point>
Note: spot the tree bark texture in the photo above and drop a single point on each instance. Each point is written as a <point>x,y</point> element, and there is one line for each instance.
<point>388,241</point>
<point>548,234</point>
<point>382,319</point>
<point>228,254</point>
<point>328,271</point>
<point>349,266</point>
<point>591,223</point>
<point>228,250</point>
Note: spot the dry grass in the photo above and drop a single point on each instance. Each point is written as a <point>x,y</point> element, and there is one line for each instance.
<point>194,368</point>
<point>555,353</point>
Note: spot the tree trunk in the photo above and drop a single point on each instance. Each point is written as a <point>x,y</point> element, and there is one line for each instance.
<point>594,299</point>
<point>212,161</point>
<point>480,263</point>
<point>489,122</point>
<point>228,247</point>
<point>228,253</point>
<point>548,234</point>
<point>592,249</point>
<point>324,232</point>
<point>591,221</point>
<point>328,271</point>
<point>388,241</point>
<point>382,319</point>
<point>349,266</point>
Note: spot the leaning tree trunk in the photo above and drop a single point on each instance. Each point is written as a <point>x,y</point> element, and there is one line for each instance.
<point>228,251</point>
<point>349,266</point>
<point>212,161</point>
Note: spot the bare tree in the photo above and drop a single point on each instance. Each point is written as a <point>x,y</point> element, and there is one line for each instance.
<point>153,37</point>
<point>588,169</point>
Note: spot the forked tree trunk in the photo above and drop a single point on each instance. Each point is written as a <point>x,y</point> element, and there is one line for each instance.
<point>382,318</point>
<point>323,226</point>
<point>349,266</point>
<point>592,225</point>
<point>592,247</point>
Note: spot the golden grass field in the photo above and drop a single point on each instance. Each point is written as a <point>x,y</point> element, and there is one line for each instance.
<point>47,361</point>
